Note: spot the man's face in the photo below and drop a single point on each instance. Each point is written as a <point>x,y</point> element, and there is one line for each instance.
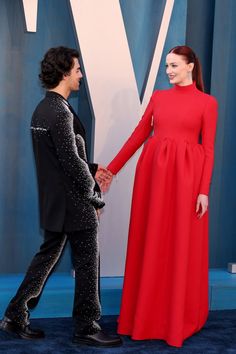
<point>74,77</point>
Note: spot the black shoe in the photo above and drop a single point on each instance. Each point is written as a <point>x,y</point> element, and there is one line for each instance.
<point>25,332</point>
<point>99,339</point>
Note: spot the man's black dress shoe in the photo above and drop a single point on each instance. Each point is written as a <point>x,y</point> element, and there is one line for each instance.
<point>99,339</point>
<point>25,332</point>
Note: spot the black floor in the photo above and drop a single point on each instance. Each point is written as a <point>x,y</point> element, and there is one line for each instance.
<point>218,336</point>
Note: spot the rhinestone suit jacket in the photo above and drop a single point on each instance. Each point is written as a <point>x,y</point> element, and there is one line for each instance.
<point>68,193</point>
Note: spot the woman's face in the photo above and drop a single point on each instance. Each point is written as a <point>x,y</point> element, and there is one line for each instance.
<point>177,69</point>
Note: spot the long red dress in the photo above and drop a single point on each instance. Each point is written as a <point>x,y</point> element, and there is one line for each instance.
<point>165,294</point>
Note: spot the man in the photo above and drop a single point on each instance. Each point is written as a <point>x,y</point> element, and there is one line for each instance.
<point>69,202</point>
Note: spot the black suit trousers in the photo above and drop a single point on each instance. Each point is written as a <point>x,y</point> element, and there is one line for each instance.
<point>85,258</point>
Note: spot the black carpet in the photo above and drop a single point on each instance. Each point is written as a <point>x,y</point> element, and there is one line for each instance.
<point>218,336</point>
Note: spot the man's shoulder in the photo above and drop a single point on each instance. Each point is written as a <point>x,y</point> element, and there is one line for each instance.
<point>42,105</point>
<point>47,104</point>
<point>43,113</point>
<point>49,110</point>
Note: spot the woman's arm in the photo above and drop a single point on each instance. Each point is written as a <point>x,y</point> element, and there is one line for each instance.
<point>137,138</point>
<point>208,139</point>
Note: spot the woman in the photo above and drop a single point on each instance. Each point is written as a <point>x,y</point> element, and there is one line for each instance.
<point>165,293</point>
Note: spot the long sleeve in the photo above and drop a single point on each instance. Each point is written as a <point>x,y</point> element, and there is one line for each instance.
<point>208,139</point>
<point>64,139</point>
<point>137,138</point>
<point>93,168</point>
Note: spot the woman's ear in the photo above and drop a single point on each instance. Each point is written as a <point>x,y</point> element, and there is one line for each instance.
<point>190,67</point>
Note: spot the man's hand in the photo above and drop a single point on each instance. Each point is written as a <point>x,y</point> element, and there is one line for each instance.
<point>202,205</point>
<point>104,178</point>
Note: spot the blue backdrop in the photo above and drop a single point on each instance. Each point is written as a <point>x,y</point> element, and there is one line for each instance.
<point>211,30</point>
<point>223,226</point>
<point>19,94</point>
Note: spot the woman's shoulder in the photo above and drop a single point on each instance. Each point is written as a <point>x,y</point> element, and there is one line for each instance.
<point>208,98</point>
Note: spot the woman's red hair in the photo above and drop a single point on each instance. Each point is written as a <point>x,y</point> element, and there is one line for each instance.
<point>191,57</point>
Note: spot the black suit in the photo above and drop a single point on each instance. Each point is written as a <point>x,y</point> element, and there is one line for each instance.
<point>68,197</point>
<point>66,185</point>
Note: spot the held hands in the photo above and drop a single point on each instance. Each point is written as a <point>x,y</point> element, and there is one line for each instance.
<point>202,205</point>
<point>104,178</point>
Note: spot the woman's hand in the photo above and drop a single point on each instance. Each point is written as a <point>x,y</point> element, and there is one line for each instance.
<point>202,205</point>
<point>104,178</point>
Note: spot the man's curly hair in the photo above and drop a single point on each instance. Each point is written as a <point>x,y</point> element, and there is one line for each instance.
<point>56,63</point>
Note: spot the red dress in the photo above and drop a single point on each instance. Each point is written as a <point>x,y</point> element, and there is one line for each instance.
<point>165,294</point>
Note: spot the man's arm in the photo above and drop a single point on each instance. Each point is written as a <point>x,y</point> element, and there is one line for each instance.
<point>63,136</point>
<point>93,167</point>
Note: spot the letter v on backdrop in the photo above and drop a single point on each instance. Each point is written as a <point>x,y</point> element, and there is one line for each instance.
<point>115,103</point>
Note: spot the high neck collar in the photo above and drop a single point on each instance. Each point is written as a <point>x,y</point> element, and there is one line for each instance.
<point>187,88</point>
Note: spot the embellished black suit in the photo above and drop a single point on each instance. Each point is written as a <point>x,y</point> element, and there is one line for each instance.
<point>68,199</point>
<point>66,185</point>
